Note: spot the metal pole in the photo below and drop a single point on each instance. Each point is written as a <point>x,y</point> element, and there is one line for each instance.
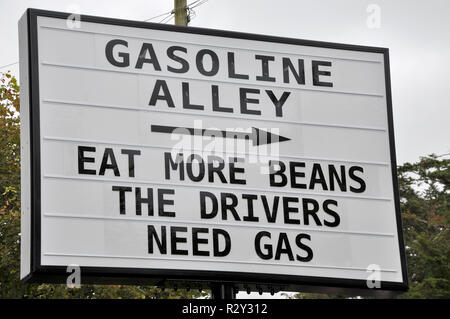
<point>222,291</point>
<point>180,10</point>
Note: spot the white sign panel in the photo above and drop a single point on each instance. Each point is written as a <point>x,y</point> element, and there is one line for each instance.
<point>207,155</point>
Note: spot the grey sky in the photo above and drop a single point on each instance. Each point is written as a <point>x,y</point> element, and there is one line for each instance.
<point>415,31</point>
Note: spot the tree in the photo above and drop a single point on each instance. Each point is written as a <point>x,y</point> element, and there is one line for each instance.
<point>10,284</point>
<point>9,187</point>
<point>425,205</point>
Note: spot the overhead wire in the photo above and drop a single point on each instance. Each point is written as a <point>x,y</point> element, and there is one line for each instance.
<point>167,16</point>
<point>190,8</point>
<point>159,15</point>
<point>197,3</point>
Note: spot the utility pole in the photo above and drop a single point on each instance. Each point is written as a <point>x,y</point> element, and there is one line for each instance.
<point>218,290</point>
<point>180,10</point>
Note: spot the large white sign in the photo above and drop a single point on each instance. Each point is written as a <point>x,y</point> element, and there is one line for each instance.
<point>200,154</point>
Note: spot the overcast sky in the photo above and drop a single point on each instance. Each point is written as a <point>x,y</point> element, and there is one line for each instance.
<point>416,32</point>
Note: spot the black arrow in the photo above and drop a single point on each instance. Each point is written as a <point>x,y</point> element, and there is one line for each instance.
<point>258,136</point>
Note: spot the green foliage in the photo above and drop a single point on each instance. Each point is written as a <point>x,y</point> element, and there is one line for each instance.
<point>46,291</point>
<point>9,133</point>
<point>9,186</point>
<point>10,284</point>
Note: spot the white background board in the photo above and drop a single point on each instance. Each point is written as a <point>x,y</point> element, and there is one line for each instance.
<point>86,101</point>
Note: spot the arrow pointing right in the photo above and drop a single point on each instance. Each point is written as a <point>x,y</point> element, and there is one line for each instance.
<point>257,136</point>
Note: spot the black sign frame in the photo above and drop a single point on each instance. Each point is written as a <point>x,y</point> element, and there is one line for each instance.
<point>255,281</point>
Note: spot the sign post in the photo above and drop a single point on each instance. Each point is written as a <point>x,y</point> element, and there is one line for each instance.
<point>162,154</point>
<point>180,11</point>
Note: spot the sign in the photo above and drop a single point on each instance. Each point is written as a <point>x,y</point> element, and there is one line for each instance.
<point>160,152</point>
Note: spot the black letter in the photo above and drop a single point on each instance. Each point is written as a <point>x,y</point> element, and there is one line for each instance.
<point>140,200</point>
<point>162,243</point>
<point>317,170</point>
<point>268,247</point>
<point>298,241</point>
<point>186,99</point>
<point>234,170</point>
<point>250,216</point>
<point>109,54</point>
<point>245,100</point>
<point>310,212</point>
<point>327,210</point>
<point>280,172</point>
<point>82,159</point>
<point>109,154</point>
<point>162,202</point>
<point>226,236</point>
<point>131,154</point>
<point>215,101</point>
<point>333,174</point>
<point>317,73</point>
<point>175,240</point>
<point>271,215</point>
<point>284,241</point>
<point>161,84</point>
<point>169,163</point>
<point>184,64</point>
<point>295,174</point>
<point>231,68</point>
<point>299,76</point>
<point>265,68</point>
<point>358,179</point>
<point>278,103</point>
<point>213,169</point>
<point>122,190</point>
<point>196,241</point>
<point>147,47</point>
<point>215,205</point>
<point>287,210</point>
<point>229,207</point>
<point>215,62</point>
<point>201,167</point>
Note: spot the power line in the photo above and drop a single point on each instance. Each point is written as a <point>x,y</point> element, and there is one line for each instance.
<point>196,3</point>
<point>159,15</point>
<point>193,3</point>
<point>191,6</point>
<point>169,14</point>
<point>173,16</point>
<point>167,17</point>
